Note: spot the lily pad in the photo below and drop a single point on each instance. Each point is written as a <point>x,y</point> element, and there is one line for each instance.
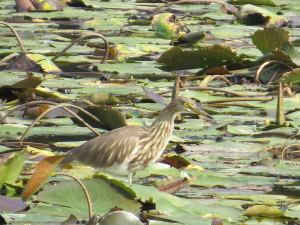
<point>253,2</point>
<point>254,15</point>
<point>290,78</point>
<point>270,39</point>
<point>206,57</point>
<point>34,63</point>
<point>166,25</point>
<point>12,168</point>
<point>103,194</point>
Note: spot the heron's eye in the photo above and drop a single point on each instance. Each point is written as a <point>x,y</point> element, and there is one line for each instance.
<point>188,105</point>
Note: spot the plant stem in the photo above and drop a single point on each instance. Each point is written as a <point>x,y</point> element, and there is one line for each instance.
<point>82,37</point>
<point>68,110</point>
<point>84,190</point>
<point>16,35</point>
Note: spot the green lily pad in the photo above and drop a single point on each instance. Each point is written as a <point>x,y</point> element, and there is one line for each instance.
<point>12,168</point>
<point>206,57</point>
<point>109,118</point>
<point>253,2</point>
<point>290,78</point>
<point>103,98</point>
<point>103,194</point>
<point>270,39</point>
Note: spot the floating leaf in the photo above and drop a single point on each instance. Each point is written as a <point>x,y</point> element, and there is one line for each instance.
<point>54,113</point>
<point>46,93</point>
<point>36,111</point>
<point>5,157</point>
<point>174,187</point>
<point>46,64</point>
<point>42,172</point>
<point>264,210</point>
<point>122,50</point>
<point>71,220</point>
<point>69,197</point>
<point>104,98</point>
<point>253,2</point>
<point>166,25</point>
<point>29,82</point>
<point>206,57</point>
<point>254,15</point>
<point>176,161</point>
<point>191,37</point>
<point>37,154</point>
<point>12,168</point>
<point>109,118</point>
<point>34,63</point>
<point>11,204</point>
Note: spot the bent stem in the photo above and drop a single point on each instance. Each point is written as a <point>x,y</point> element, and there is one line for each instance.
<point>64,106</point>
<point>83,188</point>
<point>68,110</point>
<point>16,35</point>
<point>256,80</point>
<point>82,37</point>
<point>221,78</point>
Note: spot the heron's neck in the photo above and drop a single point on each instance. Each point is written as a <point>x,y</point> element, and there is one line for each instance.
<point>164,122</point>
<point>155,139</point>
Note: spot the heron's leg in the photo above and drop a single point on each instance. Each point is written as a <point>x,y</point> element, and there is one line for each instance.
<point>130,178</point>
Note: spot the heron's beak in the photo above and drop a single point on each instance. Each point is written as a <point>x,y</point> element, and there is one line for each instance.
<point>197,110</point>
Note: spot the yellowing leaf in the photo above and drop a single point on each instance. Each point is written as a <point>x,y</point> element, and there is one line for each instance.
<point>190,167</point>
<point>263,210</point>
<point>36,154</point>
<point>46,93</point>
<point>166,25</point>
<point>46,64</point>
<point>42,172</point>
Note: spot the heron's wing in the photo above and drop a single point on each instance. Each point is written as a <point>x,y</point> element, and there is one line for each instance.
<point>105,150</point>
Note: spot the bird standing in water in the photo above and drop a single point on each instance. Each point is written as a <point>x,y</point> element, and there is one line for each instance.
<point>131,148</point>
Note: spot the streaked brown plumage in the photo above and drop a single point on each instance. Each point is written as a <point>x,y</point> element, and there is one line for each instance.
<point>127,149</point>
